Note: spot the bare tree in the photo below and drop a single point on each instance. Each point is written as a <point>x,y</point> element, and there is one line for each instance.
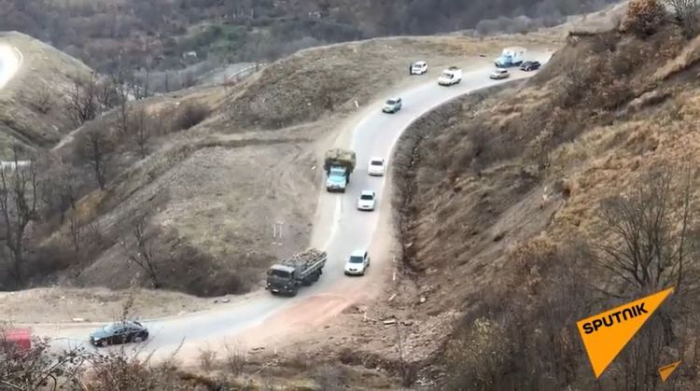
<point>76,231</point>
<point>58,188</point>
<point>685,12</point>
<point>107,94</point>
<point>18,205</point>
<point>142,252</point>
<point>120,80</point>
<point>83,102</point>
<point>141,131</point>
<point>96,146</point>
<point>652,248</point>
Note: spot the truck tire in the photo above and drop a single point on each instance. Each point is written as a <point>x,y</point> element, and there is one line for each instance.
<point>294,291</point>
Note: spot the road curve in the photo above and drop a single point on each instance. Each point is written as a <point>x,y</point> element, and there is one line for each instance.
<point>348,229</point>
<point>10,62</point>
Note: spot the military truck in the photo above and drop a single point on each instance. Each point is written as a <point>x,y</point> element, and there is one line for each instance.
<point>304,268</point>
<point>339,164</point>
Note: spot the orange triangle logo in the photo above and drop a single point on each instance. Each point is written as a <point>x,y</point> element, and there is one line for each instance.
<point>605,335</point>
<point>667,370</point>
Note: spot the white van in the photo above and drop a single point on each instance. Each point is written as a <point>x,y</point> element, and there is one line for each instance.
<point>419,68</point>
<point>450,76</point>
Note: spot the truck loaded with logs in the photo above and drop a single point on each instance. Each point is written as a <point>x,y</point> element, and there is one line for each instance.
<point>304,268</point>
<point>339,164</point>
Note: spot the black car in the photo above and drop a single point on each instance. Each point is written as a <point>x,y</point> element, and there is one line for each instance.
<point>530,66</point>
<point>118,333</point>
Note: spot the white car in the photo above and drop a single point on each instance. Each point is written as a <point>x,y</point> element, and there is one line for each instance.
<point>450,76</point>
<point>392,105</point>
<point>500,73</point>
<point>357,263</point>
<point>367,200</point>
<point>419,68</point>
<point>376,166</point>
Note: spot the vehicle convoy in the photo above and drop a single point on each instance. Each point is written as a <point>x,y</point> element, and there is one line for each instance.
<point>119,333</point>
<point>511,57</point>
<point>304,268</point>
<point>450,76</point>
<point>339,164</point>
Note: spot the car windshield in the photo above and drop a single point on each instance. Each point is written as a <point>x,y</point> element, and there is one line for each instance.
<point>366,197</point>
<point>278,273</point>
<point>355,259</point>
<point>447,75</point>
<point>376,162</point>
<point>391,102</point>
<point>111,328</point>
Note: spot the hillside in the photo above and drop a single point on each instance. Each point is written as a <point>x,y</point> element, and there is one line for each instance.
<point>519,210</point>
<point>535,192</point>
<point>33,104</point>
<point>154,35</point>
<point>209,171</point>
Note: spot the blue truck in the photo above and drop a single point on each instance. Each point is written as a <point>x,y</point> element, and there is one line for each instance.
<point>339,164</point>
<point>511,57</point>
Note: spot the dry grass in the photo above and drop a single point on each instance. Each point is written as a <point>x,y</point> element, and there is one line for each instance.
<point>546,186</point>
<point>315,82</point>
<point>217,188</point>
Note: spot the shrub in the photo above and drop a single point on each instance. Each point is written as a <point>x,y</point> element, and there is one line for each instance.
<point>644,17</point>
<point>190,115</point>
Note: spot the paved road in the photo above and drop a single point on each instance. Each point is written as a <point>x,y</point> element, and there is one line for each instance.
<point>347,229</point>
<point>10,62</point>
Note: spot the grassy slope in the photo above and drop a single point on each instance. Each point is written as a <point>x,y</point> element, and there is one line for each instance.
<point>216,189</point>
<point>45,73</point>
<point>519,181</point>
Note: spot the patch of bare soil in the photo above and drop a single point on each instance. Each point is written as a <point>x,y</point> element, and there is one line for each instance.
<point>92,305</point>
<point>32,104</point>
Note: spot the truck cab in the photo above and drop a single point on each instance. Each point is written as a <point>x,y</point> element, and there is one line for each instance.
<point>337,179</point>
<point>510,57</point>
<point>281,279</point>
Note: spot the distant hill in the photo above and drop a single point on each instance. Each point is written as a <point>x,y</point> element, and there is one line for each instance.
<point>33,103</point>
<point>155,34</point>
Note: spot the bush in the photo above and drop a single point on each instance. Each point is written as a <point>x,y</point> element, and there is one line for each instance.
<point>190,115</point>
<point>644,17</point>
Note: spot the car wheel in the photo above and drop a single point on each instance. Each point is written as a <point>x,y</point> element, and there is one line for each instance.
<point>138,338</point>
<point>104,343</point>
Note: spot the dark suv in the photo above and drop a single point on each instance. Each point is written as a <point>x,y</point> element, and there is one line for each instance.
<point>530,66</point>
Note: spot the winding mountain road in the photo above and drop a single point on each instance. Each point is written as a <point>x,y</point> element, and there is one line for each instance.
<point>10,62</point>
<point>339,229</point>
